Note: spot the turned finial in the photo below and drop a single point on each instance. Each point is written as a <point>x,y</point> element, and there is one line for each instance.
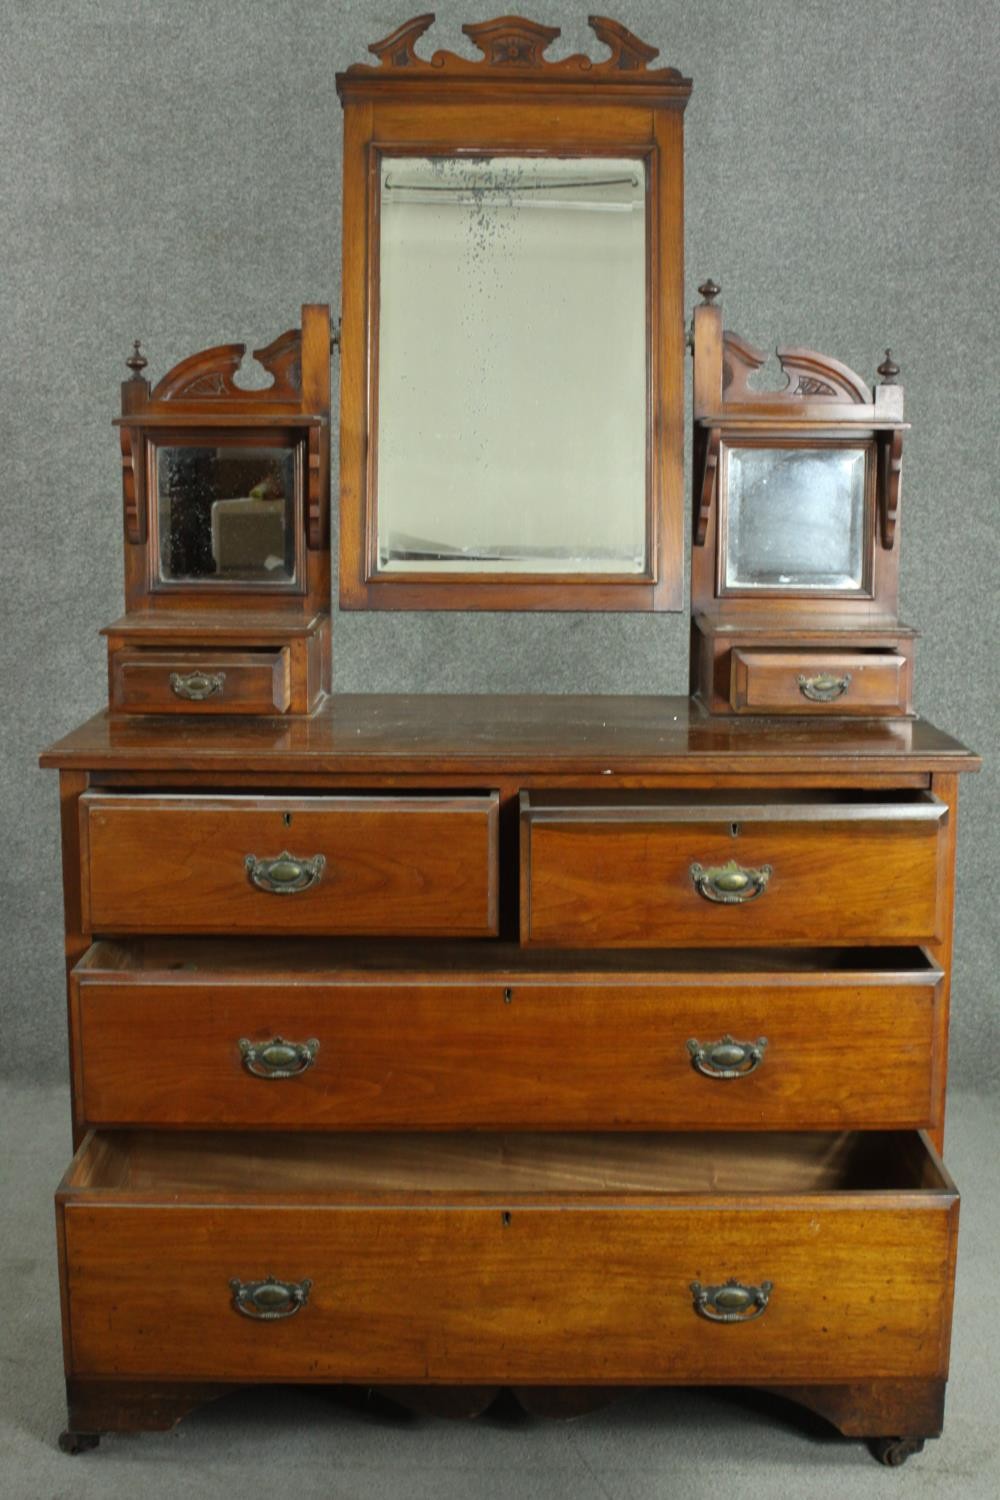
<point>137,361</point>
<point>709,291</point>
<point>888,369</point>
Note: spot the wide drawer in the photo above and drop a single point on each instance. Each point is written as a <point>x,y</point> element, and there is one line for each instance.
<point>247,1035</point>
<point>214,682</point>
<point>732,869</point>
<point>395,865</point>
<point>523,1259</point>
<point>820,682</point>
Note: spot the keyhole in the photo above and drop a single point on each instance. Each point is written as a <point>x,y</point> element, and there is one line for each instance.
<point>286,818</point>
<point>505,1218</point>
<point>508,996</point>
<point>734,829</point>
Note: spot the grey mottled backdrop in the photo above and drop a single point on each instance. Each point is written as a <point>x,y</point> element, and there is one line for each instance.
<point>172,171</point>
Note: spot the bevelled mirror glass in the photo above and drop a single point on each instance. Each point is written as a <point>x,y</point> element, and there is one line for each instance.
<point>226,514</point>
<point>795,519</point>
<point>511,366</point>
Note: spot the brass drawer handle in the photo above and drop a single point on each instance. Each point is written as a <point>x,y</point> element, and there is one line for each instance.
<point>268,1300</point>
<point>285,873</point>
<point>726,1058</point>
<point>278,1058</point>
<point>730,883</point>
<point>731,1301</point>
<point>824,688</point>
<point>197,685</point>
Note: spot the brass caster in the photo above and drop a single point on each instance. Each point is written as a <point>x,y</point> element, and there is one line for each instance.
<point>78,1442</point>
<point>894,1451</point>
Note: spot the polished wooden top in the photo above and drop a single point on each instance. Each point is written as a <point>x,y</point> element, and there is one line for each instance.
<point>426,734</point>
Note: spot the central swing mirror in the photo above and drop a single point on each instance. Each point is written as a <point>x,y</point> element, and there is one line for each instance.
<point>512,330</point>
<point>512,366</point>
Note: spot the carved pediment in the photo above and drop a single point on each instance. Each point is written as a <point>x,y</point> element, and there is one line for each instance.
<point>514,45</point>
<point>808,375</point>
<point>210,373</point>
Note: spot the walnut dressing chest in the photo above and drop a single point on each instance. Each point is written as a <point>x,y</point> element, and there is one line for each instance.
<point>451,1044</point>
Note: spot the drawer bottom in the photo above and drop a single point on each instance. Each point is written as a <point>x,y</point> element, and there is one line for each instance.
<point>515,1260</point>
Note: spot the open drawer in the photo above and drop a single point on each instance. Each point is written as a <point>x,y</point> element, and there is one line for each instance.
<point>213,1033</point>
<point>516,1258</point>
<point>728,869</point>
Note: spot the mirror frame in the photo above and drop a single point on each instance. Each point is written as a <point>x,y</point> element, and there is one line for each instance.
<point>512,101</point>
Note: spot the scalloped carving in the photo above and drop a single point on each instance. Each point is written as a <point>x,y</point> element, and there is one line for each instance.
<point>711,442</point>
<point>132,488</point>
<point>282,359</point>
<point>809,376</point>
<point>513,44</point>
<point>207,373</point>
<point>890,483</point>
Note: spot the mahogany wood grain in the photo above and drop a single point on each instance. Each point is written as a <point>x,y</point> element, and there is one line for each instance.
<point>495,735</point>
<point>618,872</point>
<point>454,1285</point>
<point>253,682</point>
<point>394,865</point>
<point>767,682</point>
<point>500,1049</point>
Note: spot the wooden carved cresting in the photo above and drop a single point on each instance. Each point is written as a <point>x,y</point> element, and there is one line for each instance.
<point>512,44</point>
<point>210,373</point>
<point>808,374</point>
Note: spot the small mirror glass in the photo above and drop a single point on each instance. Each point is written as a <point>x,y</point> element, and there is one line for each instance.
<point>512,386</point>
<point>226,514</point>
<point>795,518</point>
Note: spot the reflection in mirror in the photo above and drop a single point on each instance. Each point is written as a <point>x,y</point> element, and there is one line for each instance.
<point>512,366</point>
<point>226,514</point>
<point>795,518</point>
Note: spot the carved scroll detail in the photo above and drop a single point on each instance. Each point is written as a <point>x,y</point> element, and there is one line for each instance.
<point>132,488</point>
<point>315,510</point>
<point>739,361</point>
<point>709,484</point>
<point>810,376</point>
<point>208,373</point>
<point>513,43</point>
<point>282,359</point>
<point>819,375</point>
<point>890,481</point>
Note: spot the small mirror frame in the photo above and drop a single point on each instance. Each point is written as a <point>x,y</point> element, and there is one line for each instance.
<point>513,100</point>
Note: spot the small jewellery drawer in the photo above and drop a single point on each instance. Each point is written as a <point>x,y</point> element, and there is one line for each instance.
<point>215,1034</point>
<point>820,682</point>
<point>393,865</point>
<point>726,870</point>
<point>215,682</point>
<point>514,1259</point>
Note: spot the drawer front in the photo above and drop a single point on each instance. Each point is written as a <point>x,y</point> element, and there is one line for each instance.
<point>860,1288</point>
<point>820,682</point>
<point>199,682</point>
<point>714,876</point>
<point>400,866</point>
<point>838,1050</point>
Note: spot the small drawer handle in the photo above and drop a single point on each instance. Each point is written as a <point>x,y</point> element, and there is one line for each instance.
<point>824,688</point>
<point>730,883</point>
<point>731,1301</point>
<point>197,685</point>
<point>278,1058</point>
<point>726,1058</point>
<point>268,1300</point>
<point>285,873</point>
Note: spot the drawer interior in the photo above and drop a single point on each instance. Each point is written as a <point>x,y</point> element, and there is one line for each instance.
<point>490,1169</point>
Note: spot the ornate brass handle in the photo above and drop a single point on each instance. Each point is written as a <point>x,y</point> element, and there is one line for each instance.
<point>824,688</point>
<point>731,882</point>
<point>731,1302</point>
<point>285,873</point>
<point>726,1059</point>
<point>278,1058</point>
<point>197,685</point>
<point>270,1299</point>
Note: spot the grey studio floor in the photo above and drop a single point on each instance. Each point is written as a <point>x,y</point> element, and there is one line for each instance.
<point>275,1442</point>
